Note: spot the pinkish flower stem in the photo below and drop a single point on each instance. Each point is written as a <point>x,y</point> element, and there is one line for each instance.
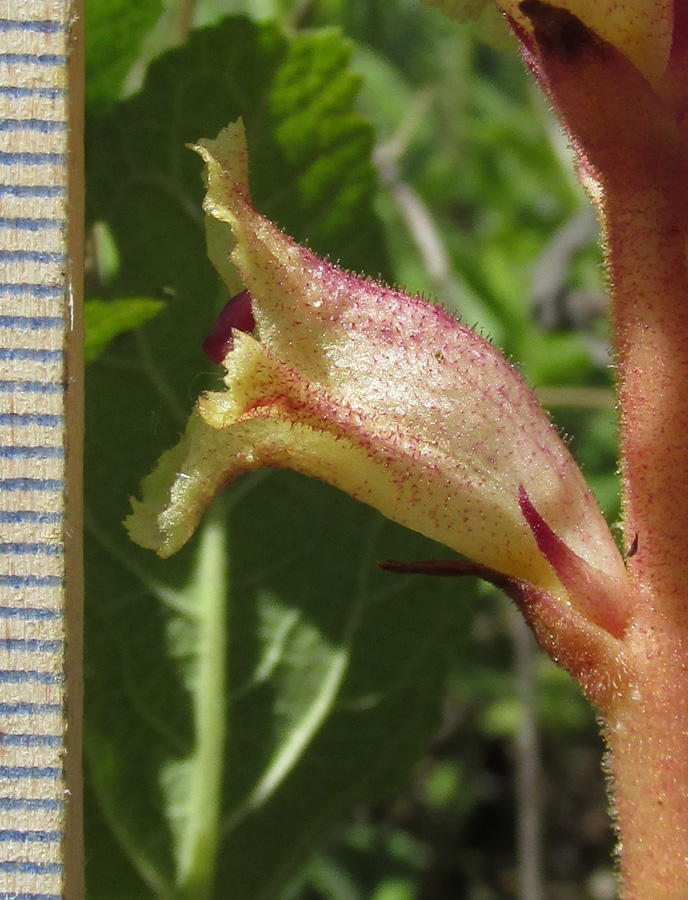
<point>648,761</point>
<point>646,725</point>
<point>647,268</point>
<point>632,154</point>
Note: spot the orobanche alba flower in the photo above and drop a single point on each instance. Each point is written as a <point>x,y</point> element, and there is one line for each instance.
<point>386,397</point>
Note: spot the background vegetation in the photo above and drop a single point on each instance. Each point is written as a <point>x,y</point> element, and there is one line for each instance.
<point>268,714</point>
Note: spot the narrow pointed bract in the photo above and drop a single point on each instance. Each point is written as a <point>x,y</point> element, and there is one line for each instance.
<point>602,599</point>
<point>380,394</point>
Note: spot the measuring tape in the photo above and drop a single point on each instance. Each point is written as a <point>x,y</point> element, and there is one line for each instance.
<point>40,480</point>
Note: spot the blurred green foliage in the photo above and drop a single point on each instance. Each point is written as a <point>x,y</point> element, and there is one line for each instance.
<point>366,742</point>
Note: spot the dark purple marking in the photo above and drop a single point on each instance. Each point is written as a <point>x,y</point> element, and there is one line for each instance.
<point>237,314</point>
<point>594,594</point>
<point>551,546</point>
<point>559,31</point>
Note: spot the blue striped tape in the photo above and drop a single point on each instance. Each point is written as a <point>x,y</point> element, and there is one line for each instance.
<point>29,645</point>
<point>31,803</point>
<point>29,517</point>
<point>27,549</point>
<point>32,484</point>
<point>33,59</point>
<point>28,224</point>
<point>26,867</point>
<point>30,676</point>
<point>48,772</point>
<point>31,387</point>
<point>30,354</point>
<point>41,26</point>
<point>30,837</point>
<point>9,158</point>
<point>23,895</point>
<point>29,613</point>
<point>21,288</point>
<point>32,190</point>
<point>38,256</point>
<point>44,126</point>
<point>29,581</point>
<point>31,740</point>
<point>31,452</point>
<point>34,323</point>
<point>31,709</point>
<point>44,420</point>
<point>24,93</point>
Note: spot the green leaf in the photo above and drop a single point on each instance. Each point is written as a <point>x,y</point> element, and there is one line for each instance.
<point>228,727</point>
<point>105,319</point>
<point>115,30</point>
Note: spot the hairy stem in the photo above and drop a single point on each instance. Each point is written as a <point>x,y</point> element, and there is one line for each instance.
<point>648,760</point>
<point>633,157</point>
<point>647,263</point>
<point>647,224</point>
